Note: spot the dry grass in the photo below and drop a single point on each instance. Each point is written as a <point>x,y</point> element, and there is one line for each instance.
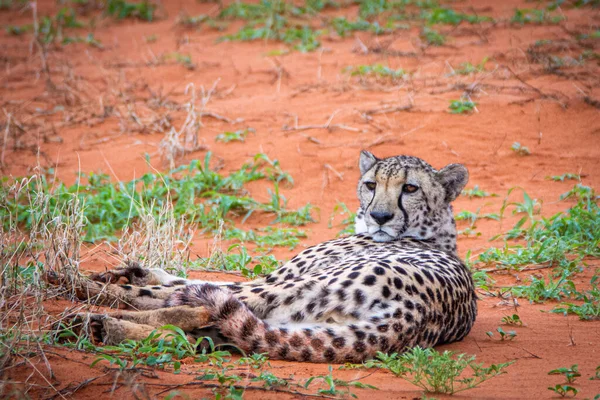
<point>52,247</point>
<point>177,143</point>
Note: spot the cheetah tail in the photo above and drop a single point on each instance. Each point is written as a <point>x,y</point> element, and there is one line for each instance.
<point>292,342</point>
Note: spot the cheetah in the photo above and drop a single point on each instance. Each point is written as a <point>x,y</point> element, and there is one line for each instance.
<point>396,284</point>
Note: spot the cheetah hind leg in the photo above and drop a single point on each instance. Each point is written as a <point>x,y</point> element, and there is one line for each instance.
<point>116,327</point>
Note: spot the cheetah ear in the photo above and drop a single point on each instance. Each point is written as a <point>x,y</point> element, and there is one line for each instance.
<point>453,178</point>
<point>367,160</point>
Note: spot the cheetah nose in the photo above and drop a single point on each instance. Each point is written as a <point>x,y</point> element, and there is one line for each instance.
<point>381,217</point>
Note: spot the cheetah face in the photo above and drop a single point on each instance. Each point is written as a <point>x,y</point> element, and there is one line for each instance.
<point>404,196</point>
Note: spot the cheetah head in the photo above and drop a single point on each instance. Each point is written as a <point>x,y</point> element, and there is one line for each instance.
<point>404,196</point>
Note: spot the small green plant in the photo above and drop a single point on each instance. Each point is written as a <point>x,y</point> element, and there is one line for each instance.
<point>589,309</point>
<point>180,58</point>
<point>467,68</point>
<point>440,15</point>
<point>236,136</point>
<point>90,40</point>
<point>510,335</point>
<point>512,320</point>
<point>562,240</point>
<point>377,71</point>
<point>303,39</point>
<point>564,390</point>
<point>67,18</point>
<point>462,106</point>
<point>436,372</point>
<point>473,217</point>
<point>592,35</point>
<point>334,383</point>
<point>596,375</point>
<point>197,192</point>
<point>267,238</point>
<point>580,192</point>
<point>159,351</point>
<point>343,27</point>
<point>477,192</point>
<point>121,9</point>
<point>270,381</point>
<point>520,149</point>
<point>564,177</point>
<point>539,290</point>
<point>432,37</point>
<point>570,373</point>
<point>18,30</point>
<point>254,361</point>
<point>278,206</point>
<point>236,258</point>
<point>533,16</point>
<point>347,223</point>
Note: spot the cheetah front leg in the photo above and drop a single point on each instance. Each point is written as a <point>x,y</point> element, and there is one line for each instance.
<point>136,275</point>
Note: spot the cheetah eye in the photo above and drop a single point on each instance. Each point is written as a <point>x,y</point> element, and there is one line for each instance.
<point>409,188</point>
<point>371,185</point>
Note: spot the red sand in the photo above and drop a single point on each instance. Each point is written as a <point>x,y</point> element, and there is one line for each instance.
<point>561,133</point>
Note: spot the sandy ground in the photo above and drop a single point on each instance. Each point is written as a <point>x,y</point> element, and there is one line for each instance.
<point>88,122</point>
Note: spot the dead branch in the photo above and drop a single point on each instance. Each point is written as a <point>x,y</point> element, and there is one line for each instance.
<point>328,125</point>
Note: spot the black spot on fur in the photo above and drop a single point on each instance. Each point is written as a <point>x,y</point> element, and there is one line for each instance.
<point>419,278</point>
<point>298,316</point>
<point>296,341</point>
<point>228,308</point>
<point>146,292</point>
<point>126,287</point>
<point>359,297</point>
<point>372,339</point>
<point>378,271</point>
<point>329,354</point>
<point>386,292</point>
<point>360,335</point>
<point>398,283</point>
<point>306,355</point>
<point>249,326</point>
<point>360,347</point>
<point>257,290</point>
<point>346,283</point>
<point>255,346</point>
<point>316,344</point>
<point>369,280</point>
<point>271,338</point>
<point>338,342</point>
<point>271,298</point>
<point>283,351</point>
